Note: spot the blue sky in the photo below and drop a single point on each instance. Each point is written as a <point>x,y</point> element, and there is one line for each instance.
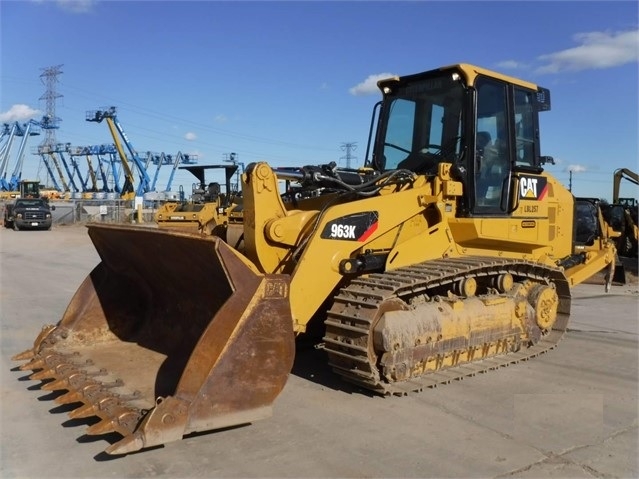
<point>290,82</point>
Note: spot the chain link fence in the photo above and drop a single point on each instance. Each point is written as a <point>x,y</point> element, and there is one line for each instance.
<point>80,211</point>
<point>102,211</point>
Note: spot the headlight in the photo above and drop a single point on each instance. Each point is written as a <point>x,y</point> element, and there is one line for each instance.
<point>19,215</point>
<point>48,215</point>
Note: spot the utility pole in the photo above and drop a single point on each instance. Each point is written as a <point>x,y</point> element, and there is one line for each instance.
<point>570,181</point>
<point>349,148</point>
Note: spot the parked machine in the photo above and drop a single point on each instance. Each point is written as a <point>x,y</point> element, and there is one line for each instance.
<point>621,214</point>
<point>207,209</point>
<point>442,257</point>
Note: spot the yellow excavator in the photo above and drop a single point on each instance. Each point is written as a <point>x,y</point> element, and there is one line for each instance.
<point>450,252</point>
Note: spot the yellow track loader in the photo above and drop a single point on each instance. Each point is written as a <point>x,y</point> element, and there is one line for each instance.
<point>450,252</point>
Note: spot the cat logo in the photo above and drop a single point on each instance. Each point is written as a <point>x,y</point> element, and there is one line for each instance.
<point>533,187</point>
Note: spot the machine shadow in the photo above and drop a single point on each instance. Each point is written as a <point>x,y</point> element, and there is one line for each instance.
<point>311,363</point>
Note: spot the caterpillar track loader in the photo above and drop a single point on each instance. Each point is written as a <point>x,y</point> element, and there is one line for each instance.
<point>450,252</point>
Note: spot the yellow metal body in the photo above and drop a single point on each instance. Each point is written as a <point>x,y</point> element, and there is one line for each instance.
<point>408,220</point>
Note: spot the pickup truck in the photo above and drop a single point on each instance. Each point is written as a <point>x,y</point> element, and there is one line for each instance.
<point>28,213</point>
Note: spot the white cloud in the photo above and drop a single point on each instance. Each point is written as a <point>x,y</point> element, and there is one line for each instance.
<point>512,65</point>
<point>76,6</point>
<point>576,168</point>
<point>220,118</point>
<point>369,86</point>
<point>190,136</point>
<point>72,6</point>
<point>18,112</point>
<point>597,50</point>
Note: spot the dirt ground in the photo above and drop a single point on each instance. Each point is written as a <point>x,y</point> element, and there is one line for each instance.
<point>572,412</point>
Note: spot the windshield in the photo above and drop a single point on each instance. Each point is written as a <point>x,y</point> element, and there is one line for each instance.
<point>30,204</point>
<point>421,124</point>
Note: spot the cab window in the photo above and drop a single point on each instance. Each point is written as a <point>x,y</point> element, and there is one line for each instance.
<point>525,128</point>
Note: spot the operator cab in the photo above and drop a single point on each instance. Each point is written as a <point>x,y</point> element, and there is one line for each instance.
<point>485,124</point>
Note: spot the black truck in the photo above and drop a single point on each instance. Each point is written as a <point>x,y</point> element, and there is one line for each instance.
<point>29,210</point>
<point>28,213</point>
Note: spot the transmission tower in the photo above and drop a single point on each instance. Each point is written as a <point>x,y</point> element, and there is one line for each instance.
<point>349,148</point>
<point>50,122</point>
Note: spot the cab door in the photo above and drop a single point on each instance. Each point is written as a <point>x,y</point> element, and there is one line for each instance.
<point>493,155</point>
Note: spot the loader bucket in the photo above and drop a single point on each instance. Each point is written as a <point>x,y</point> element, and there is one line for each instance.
<point>170,334</point>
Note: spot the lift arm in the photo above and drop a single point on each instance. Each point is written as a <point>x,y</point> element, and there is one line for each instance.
<point>618,175</point>
<point>46,150</point>
<point>50,171</point>
<point>26,131</point>
<point>5,151</point>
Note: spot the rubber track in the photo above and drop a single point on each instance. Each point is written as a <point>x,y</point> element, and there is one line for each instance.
<point>350,321</point>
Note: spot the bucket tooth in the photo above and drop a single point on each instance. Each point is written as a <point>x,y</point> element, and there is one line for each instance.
<point>33,365</point>
<point>98,408</point>
<point>24,355</point>
<point>86,410</point>
<point>49,360</point>
<point>77,395</point>
<point>103,427</point>
<point>57,371</point>
<point>43,374</point>
<point>131,443</point>
<point>57,385</point>
<point>69,398</point>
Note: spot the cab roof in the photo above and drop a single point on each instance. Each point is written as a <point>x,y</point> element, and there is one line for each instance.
<point>467,71</point>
